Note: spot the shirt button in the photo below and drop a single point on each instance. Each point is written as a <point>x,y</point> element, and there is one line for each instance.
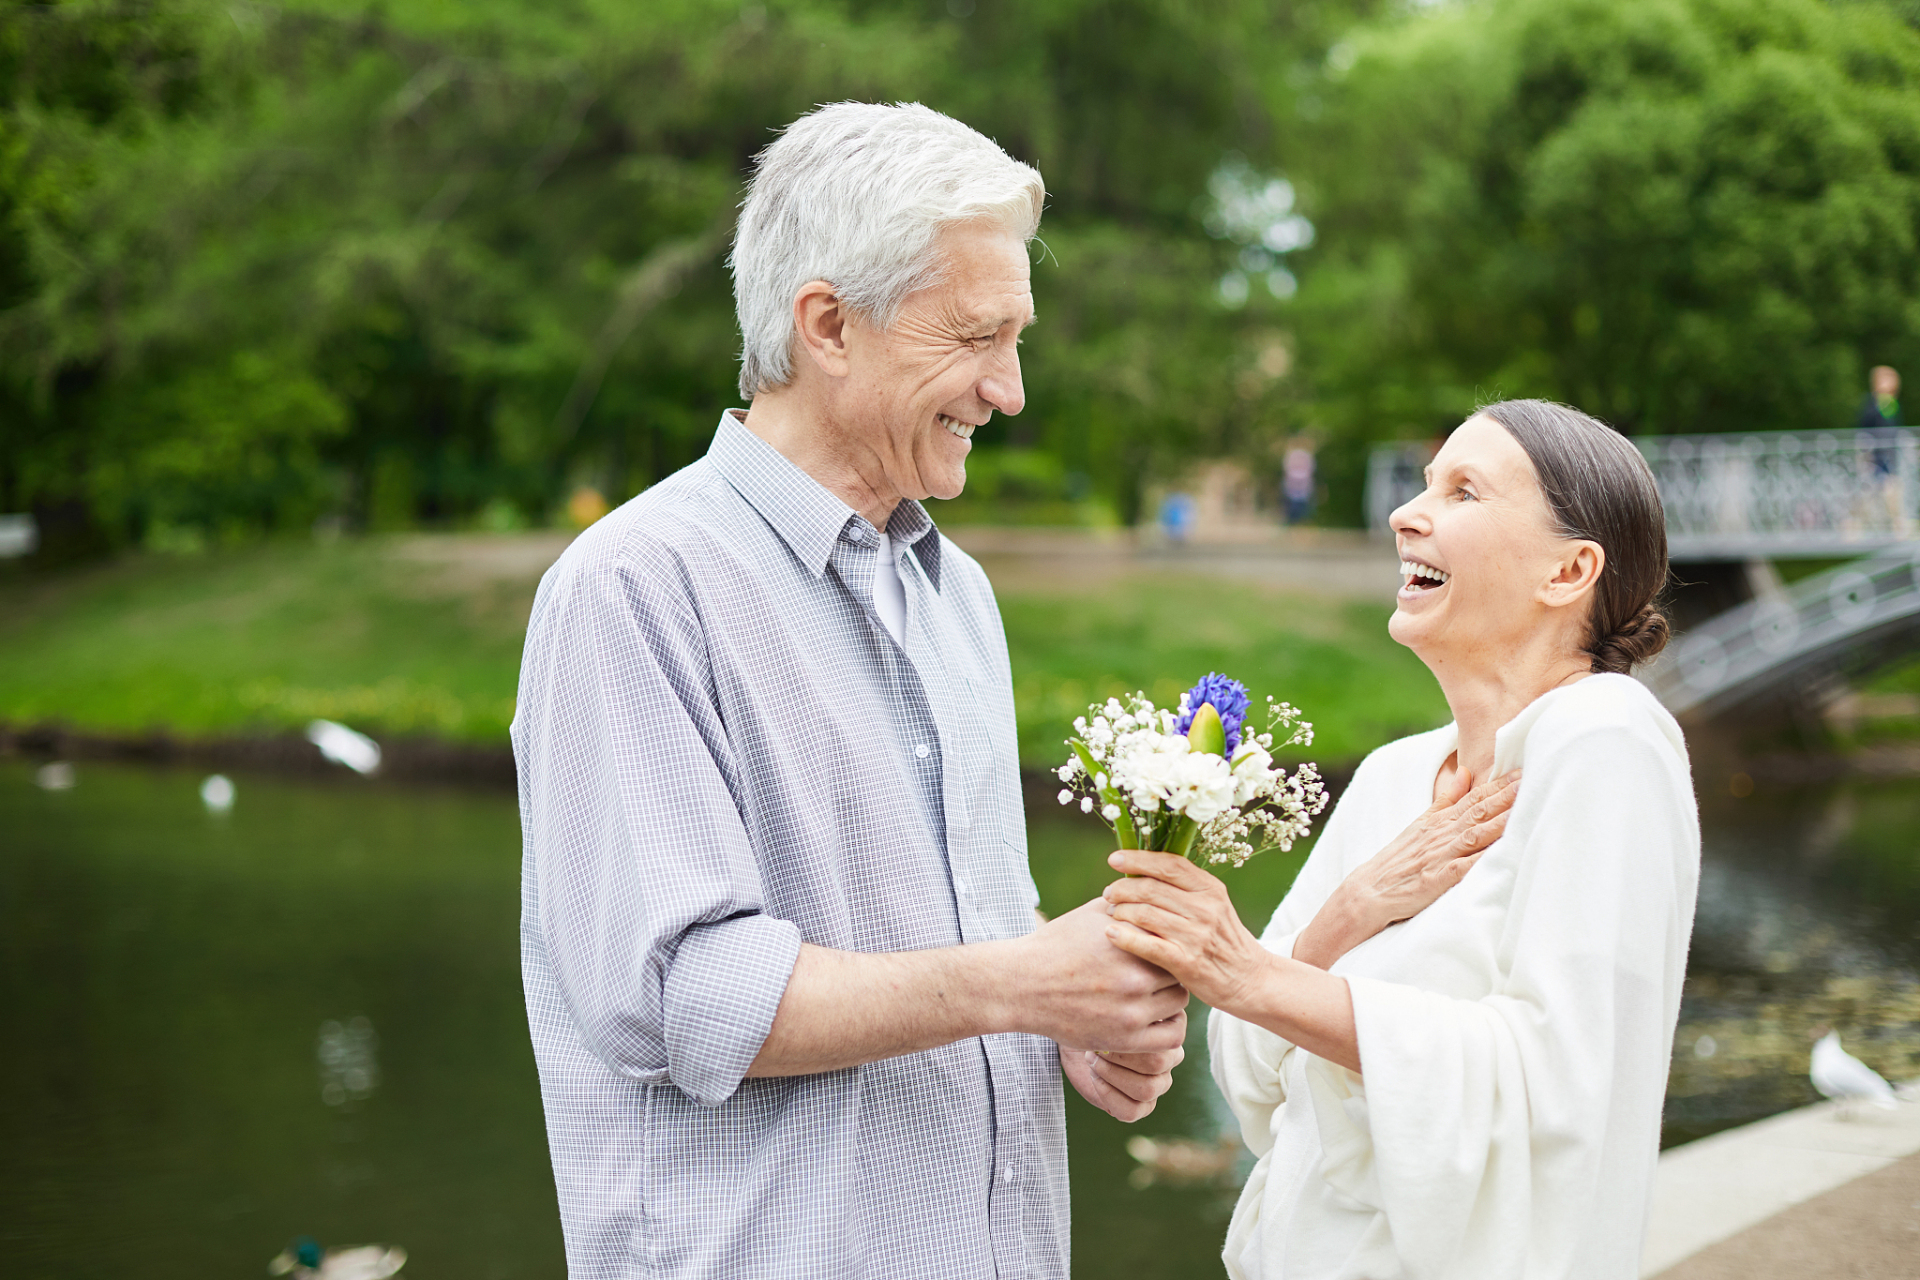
<point>922,751</point>
<point>961,885</point>
<point>1007,1175</point>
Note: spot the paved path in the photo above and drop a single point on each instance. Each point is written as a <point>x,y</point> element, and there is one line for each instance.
<point>1809,1194</point>
<point>1328,562</point>
<point>1868,1229</point>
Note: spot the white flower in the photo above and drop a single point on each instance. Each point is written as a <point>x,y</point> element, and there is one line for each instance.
<point>1066,797</point>
<point>1252,774</point>
<point>1111,813</point>
<point>1201,786</point>
<point>1086,804</point>
<point>1065,772</point>
<point>1099,782</point>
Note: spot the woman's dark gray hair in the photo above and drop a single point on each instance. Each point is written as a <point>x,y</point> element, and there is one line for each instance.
<point>1598,488</point>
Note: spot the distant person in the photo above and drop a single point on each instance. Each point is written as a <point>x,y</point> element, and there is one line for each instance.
<point>1468,1082</point>
<point>1881,408</point>
<point>1296,483</point>
<point>1879,412</point>
<point>1176,516</point>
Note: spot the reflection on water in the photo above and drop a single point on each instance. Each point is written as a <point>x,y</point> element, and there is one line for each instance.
<point>228,1030</point>
<point>303,1017</point>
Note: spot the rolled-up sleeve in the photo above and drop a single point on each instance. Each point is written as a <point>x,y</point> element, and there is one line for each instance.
<point>649,897</point>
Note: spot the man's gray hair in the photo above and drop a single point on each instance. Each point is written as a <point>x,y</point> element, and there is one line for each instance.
<point>855,194</point>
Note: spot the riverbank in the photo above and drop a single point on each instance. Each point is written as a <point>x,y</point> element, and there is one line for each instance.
<point>416,640</point>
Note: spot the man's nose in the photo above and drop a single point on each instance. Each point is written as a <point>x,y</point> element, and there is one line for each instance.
<point>1002,388</point>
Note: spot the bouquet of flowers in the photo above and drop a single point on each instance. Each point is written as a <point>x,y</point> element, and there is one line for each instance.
<point>1193,781</point>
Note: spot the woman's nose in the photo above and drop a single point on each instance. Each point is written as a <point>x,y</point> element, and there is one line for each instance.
<point>1410,516</point>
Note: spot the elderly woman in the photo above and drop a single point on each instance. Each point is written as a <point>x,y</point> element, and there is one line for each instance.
<point>1473,1091</point>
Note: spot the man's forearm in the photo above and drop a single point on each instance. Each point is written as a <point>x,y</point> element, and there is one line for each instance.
<point>1065,981</point>
<point>845,1008</point>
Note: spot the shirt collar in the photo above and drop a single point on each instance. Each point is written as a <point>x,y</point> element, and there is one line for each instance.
<point>800,509</point>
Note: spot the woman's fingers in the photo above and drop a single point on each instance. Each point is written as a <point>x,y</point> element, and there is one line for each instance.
<point>1453,789</point>
<point>1153,892</point>
<point>1153,919</point>
<point>1485,833</point>
<point>1168,867</point>
<point>1150,947</point>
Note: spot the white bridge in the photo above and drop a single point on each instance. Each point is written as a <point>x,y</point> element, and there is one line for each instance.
<point>1762,497</point>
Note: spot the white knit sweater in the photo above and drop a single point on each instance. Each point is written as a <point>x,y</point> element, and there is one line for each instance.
<point>1514,1036</point>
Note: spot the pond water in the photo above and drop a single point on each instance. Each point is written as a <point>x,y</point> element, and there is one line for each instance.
<point>304,1017</point>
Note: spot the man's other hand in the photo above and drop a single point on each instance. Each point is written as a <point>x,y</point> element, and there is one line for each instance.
<point>1124,1085</point>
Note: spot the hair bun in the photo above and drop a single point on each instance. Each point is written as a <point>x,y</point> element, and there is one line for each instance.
<point>1636,642</point>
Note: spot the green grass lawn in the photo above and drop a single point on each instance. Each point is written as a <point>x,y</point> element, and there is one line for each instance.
<point>422,636</point>
<point>267,638</point>
<point>1160,633</point>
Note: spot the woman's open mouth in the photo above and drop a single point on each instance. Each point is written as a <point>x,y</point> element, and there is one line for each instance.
<point>1421,578</point>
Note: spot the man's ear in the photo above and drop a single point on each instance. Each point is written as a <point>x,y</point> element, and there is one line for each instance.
<point>1576,574</point>
<point>820,327</point>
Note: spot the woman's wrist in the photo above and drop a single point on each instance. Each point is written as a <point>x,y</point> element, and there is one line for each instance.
<point>1338,927</point>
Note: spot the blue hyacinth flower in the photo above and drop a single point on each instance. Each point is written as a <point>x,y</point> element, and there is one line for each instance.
<point>1229,698</point>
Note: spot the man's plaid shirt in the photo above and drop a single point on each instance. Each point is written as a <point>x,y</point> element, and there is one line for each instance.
<point>722,754</point>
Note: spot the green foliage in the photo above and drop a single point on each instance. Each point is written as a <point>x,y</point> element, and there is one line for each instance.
<point>480,244</point>
<point>442,263</point>
<point>1679,214</point>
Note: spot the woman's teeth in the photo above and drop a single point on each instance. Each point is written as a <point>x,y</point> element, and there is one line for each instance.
<point>1413,571</point>
<point>962,429</point>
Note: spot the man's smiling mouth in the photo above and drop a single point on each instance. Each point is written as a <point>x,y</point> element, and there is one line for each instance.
<point>964,430</point>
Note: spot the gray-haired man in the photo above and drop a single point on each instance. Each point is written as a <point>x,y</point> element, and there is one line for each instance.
<point>792,1012</point>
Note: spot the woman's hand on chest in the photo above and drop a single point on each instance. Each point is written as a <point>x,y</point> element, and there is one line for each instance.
<point>1416,867</point>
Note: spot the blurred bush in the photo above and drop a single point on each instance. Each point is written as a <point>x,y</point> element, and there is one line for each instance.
<point>378,266</point>
<point>341,265</point>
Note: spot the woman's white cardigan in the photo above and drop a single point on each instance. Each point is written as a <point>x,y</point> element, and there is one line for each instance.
<point>1514,1036</point>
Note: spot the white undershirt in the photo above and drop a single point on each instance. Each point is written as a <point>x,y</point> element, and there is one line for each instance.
<point>889,593</point>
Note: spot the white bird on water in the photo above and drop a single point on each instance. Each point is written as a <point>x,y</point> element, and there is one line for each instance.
<point>344,746</point>
<point>217,793</point>
<point>1839,1075</point>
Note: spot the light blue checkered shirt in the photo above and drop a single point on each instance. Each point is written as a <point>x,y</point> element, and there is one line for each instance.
<point>722,754</point>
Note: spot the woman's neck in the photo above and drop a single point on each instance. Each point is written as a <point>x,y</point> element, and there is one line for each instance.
<point>1483,697</point>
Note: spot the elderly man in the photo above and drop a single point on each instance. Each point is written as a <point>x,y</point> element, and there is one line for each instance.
<point>794,1011</point>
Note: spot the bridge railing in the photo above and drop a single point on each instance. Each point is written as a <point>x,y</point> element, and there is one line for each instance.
<point>1765,643</point>
<point>1739,496</point>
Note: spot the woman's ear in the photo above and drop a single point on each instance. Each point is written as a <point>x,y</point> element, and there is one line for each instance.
<point>1576,574</point>
<point>820,327</point>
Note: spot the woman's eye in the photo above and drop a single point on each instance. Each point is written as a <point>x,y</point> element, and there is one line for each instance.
<point>1466,495</point>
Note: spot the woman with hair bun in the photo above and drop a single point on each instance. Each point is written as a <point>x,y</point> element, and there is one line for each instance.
<point>1451,1064</point>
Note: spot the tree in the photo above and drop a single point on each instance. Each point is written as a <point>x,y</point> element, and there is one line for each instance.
<point>1682,215</point>
<point>419,261</point>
